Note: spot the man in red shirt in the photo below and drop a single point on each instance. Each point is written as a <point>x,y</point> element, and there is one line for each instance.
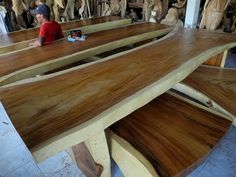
<point>49,30</point>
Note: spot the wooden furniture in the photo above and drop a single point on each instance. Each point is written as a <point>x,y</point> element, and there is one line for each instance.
<point>214,87</point>
<point>174,136</point>
<point>56,112</point>
<point>218,60</point>
<point>38,60</point>
<point>20,39</point>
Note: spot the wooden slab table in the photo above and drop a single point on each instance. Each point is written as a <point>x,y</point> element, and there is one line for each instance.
<point>214,87</point>
<point>20,39</point>
<point>173,137</point>
<point>38,60</point>
<point>57,112</point>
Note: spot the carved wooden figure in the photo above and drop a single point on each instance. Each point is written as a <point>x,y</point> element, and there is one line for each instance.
<point>213,13</point>
<point>171,17</point>
<point>156,10</point>
<point>69,10</point>
<point>180,5</point>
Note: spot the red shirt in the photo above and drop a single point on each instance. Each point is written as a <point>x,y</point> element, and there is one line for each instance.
<point>50,31</point>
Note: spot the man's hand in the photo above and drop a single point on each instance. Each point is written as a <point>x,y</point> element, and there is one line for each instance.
<point>37,43</point>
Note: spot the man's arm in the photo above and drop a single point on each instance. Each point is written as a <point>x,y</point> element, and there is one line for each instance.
<point>38,43</point>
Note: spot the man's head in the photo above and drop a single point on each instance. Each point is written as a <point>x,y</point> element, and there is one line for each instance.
<point>43,12</point>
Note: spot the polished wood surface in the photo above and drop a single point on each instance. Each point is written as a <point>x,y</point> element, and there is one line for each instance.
<point>44,109</point>
<point>10,63</point>
<point>25,35</point>
<point>173,135</point>
<point>219,84</point>
<point>215,61</point>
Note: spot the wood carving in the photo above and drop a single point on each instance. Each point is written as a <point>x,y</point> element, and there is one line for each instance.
<point>174,136</point>
<point>172,17</point>
<point>21,66</point>
<point>67,111</point>
<point>180,5</point>
<point>115,7</point>
<point>107,10</point>
<point>69,10</point>
<point>157,11</point>
<point>82,8</point>
<point>18,8</point>
<point>213,13</point>
<point>20,40</point>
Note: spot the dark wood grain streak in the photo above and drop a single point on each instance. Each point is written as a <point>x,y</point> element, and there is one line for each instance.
<point>219,84</point>
<point>85,161</point>
<point>13,62</point>
<point>41,110</point>
<point>171,134</point>
<point>25,35</point>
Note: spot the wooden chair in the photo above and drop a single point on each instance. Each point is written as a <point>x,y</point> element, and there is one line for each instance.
<point>167,137</point>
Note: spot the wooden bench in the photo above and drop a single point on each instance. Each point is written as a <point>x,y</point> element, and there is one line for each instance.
<point>20,39</point>
<point>56,112</point>
<point>214,87</point>
<point>167,137</point>
<point>38,60</point>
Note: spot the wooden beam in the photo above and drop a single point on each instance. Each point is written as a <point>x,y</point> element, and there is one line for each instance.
<point>98,148</point>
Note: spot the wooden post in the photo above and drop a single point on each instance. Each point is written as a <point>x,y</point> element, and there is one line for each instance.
<point>98,148</point>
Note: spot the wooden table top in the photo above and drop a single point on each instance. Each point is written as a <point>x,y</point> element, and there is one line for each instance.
<point>172,134</point>
<point>28,34</point>
<point>219,84</point>
<point>43,109</point>
<point>13,62</point>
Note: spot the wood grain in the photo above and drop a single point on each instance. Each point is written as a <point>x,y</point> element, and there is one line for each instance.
<point>173,135</point>
<point>49,107</point>
<point>25,35</point>
<point>85,161</point>
<point>14,62</point>
<point>219,84</point>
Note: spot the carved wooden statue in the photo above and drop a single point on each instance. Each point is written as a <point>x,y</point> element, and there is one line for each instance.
<point>18,8</point>
<point>171,17</point>
<point>180,5</point>
<point>157,11</point>
<point>69,10</point>
<point>107,10</point>
<point>82,8</point>
<point>213,13</point>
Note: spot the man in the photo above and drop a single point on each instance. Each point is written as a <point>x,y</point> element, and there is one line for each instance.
<point>49,30</point>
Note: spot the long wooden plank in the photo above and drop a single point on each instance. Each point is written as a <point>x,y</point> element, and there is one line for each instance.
<point>20,40</point>
<point>218,84</point>
<point>35,61</point>
<point>67,109</point>
<point>23,35</point>
<point>173,135</point>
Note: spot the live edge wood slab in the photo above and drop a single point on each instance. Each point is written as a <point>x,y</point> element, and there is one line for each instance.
<point>20,40</point>
<point>218,84</point>
<point>174,136</point>
<point>38,60</point>
<point>60,111</point>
